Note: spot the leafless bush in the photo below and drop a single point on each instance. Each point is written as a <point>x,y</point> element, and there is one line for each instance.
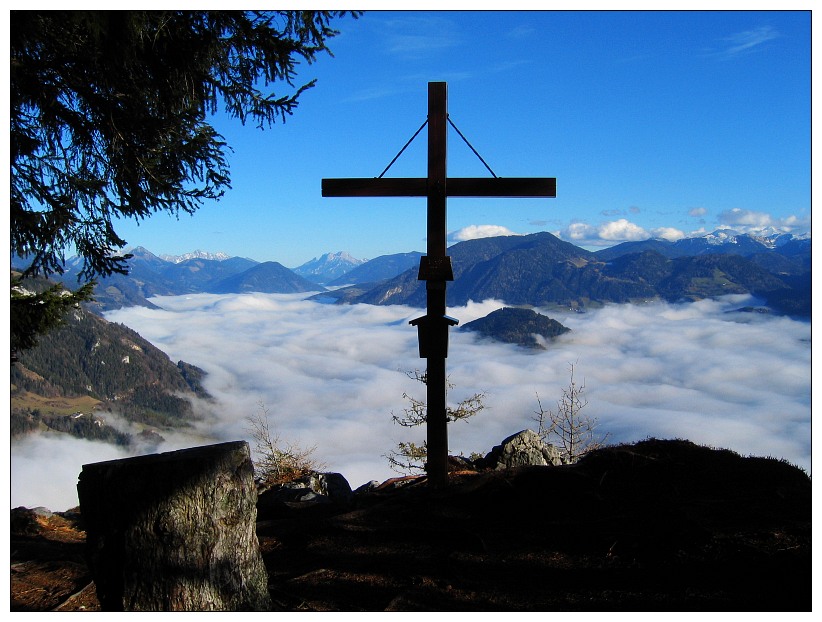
<point>278,461</point>
<point>568,429</point>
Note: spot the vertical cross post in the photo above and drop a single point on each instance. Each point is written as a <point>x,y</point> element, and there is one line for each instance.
<point>435,267</point>
<point>437,422</point>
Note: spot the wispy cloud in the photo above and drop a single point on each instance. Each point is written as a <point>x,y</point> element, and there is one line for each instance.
<point>418,35</point>
<point>331,376</point>
<point>523,31</point>
<point>744,42</point>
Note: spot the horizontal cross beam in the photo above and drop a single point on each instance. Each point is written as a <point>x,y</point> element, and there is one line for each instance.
<point>455,187</point>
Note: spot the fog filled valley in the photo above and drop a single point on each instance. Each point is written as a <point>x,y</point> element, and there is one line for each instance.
<point>331,375</point>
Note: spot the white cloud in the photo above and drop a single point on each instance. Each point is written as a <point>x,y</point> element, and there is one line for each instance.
<point>752,221</point>
<point>697,212</point>
<point>579,232</point>
<point>475,232</point>
<point>668,233</point>
<point>622,230</point>
<point>44,469</point>
<point>736,216</point>
<point>604,234</point>
<point>331,376</point>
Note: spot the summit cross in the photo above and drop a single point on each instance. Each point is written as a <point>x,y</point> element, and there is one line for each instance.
<point>435,267</point>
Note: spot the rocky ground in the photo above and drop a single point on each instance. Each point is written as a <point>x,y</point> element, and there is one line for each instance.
<point>655,526</point>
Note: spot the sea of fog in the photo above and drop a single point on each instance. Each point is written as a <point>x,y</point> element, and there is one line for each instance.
<point>331,376</point>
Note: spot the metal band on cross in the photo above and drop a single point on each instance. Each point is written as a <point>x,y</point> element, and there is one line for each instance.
<point>435,268</point>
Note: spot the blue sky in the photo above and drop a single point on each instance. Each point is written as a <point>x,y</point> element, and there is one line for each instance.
<point>655,124</point>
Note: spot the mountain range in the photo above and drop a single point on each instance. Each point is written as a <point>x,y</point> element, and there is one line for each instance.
<point>536,270</point>
<point>542,270</point>
<point>91,366</point>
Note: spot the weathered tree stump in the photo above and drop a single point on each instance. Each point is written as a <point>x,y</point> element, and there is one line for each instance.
<point>175,531</point>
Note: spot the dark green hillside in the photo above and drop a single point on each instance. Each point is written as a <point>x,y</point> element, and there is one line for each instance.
<point>706,276</point>
<point>518,326</point>
<point>94,363</point>
<point>528,269</point>
<point>541,270</point>
<point>648,267</point>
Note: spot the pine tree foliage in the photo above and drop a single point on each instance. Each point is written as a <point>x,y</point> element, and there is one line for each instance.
<point>36,309</point>
<point>410,457</point>
<point>109,117</point>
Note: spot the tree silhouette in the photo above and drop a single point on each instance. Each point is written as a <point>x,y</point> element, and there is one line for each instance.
<point>108,118</point>
<point>410,457</point>
<point>568,428</point>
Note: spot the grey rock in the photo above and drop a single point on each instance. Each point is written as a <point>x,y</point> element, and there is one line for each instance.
<point>521,449</point>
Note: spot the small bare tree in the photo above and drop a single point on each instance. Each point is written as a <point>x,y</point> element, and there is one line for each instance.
<point>410,458</point>
<point>277,461</point>
<point>572,432</point>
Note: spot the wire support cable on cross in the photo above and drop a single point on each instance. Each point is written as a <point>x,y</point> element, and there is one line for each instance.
<point>470,146</point>
<point>396,157</point>
<point>461,135</point>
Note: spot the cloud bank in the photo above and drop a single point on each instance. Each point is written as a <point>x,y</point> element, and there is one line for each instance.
<point>615,232</point>
<point>331,376</point>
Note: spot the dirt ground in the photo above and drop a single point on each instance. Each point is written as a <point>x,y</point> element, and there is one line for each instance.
<point>647,528</point>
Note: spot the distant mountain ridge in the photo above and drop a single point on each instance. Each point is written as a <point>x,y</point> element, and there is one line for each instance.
<point>150,275</point>
<point>722,241</point>
<point>542,270</point>
<point>537,269</point>
<point>379,269</point>
<point>328,267</point>
<point>198,254</point>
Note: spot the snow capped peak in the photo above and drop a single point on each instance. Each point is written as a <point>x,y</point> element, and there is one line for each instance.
<point>329,266</point>
<point>198,254</point>
<point>339,256</point>
<point>769,237</point>
<point>722,236</point>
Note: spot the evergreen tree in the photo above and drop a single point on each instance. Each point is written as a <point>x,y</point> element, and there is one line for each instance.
<point>109,120</point>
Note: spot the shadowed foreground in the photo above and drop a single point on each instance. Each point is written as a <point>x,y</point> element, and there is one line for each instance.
<point>659,525</point>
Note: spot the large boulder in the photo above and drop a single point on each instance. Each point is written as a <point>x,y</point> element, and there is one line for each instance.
<point>521,449</point>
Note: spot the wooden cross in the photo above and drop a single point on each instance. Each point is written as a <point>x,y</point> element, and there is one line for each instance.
<point>435,268</point>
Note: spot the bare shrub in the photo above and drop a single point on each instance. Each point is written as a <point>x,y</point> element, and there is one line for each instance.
<point>278,461</point>
<point>568,429</point>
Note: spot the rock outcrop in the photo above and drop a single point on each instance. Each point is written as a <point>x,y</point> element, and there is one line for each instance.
<point>521,449</point>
